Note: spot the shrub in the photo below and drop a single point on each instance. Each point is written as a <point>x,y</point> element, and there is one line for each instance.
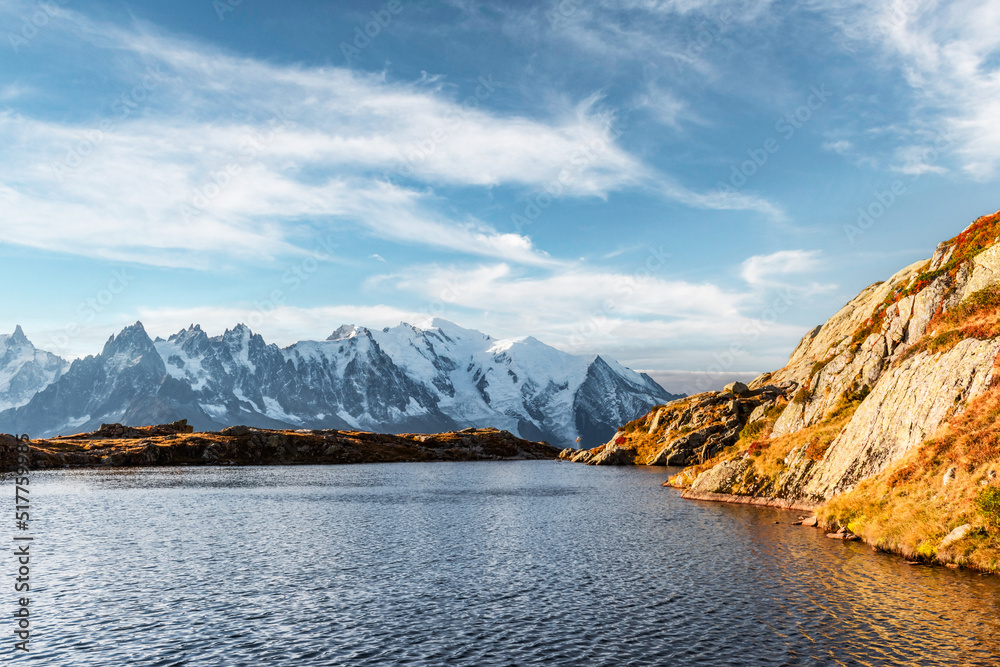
<point>802,396</point>
<point>978,316</point>
<point>988,503</point>
<point>632,426</point>
<point>775,411</point>
<point>817,367</point>
<point>755,430</point>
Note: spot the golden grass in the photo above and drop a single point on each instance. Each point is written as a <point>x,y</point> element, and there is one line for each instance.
<point>976,317</point>
<point>908,509</point>
<point>768,455</point>
<point>647,445</point>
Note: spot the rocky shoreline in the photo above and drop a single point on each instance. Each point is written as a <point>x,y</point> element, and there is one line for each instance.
<point>760,501</point>
<point>176,444</point>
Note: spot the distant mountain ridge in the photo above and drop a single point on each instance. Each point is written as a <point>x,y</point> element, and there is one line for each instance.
<point>400,379</point>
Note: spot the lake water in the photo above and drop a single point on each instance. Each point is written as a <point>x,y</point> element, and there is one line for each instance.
<point>520,563</point>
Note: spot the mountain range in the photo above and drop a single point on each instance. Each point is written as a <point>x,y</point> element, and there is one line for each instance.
<point>395,380</point>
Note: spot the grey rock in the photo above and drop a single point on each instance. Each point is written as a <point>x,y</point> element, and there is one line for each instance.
<point>614,456</point>
<point>906,407</point>
<point>736,388</point>
<point>954,536</point>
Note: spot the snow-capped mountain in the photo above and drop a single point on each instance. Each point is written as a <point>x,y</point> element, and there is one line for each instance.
<point>400,379</point>
<point>24,370</point>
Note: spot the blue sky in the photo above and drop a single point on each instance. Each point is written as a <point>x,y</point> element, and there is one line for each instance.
<point>673,183</point>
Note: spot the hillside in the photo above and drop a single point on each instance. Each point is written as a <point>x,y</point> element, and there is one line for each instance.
<point>176,444</point>
<point>886,418</point>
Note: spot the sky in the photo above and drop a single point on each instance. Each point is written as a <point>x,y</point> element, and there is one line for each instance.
<point>687,186</point>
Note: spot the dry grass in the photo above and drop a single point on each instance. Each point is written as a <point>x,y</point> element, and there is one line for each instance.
<point>976,317</point>
<point>908,509</point>
<point>647,445</point>
<point>981,235</point>
<point>768,455</point>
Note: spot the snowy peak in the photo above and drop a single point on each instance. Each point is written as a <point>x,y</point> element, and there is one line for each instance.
<point>449,327</point>
<point>25,370</point>
<point>346,331</point>
<point>435,377</point>
<point>18,338</point>
<point>131,340</point>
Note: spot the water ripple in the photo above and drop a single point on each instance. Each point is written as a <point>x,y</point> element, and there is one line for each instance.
<point>516,563</point>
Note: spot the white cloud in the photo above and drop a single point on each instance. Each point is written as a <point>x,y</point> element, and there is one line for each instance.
<point>330,145</point>
<point>761,270</point>
<point>662,104</point>
<point>944,50</point>
<point>841,146</point>
<point>638,316</point>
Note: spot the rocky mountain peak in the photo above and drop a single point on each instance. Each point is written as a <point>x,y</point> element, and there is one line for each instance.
<point>346,331</point>
<point>18,338</point>
<point>131,339</point>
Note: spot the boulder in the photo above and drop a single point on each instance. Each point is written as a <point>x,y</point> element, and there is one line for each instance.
<point>736,389</point>
<point>954,536</point>
<point>614,456</point>
<point>843,535</point>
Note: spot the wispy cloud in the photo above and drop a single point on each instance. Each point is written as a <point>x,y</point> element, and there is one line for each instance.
<point>946,53</point>
<point>629,313</point>
<point>761,270</point>
<point>841,146</point>
<point>226,156</point>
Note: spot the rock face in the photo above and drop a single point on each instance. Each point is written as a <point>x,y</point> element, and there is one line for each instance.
<point>858,394</point>
<point>403,379</point>
<point>687,431</point>
<point>906,407</point>
<point>115,445</point>
<point>870,351</point>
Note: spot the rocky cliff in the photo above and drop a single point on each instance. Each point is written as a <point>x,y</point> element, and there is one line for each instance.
<point>860,397</point>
